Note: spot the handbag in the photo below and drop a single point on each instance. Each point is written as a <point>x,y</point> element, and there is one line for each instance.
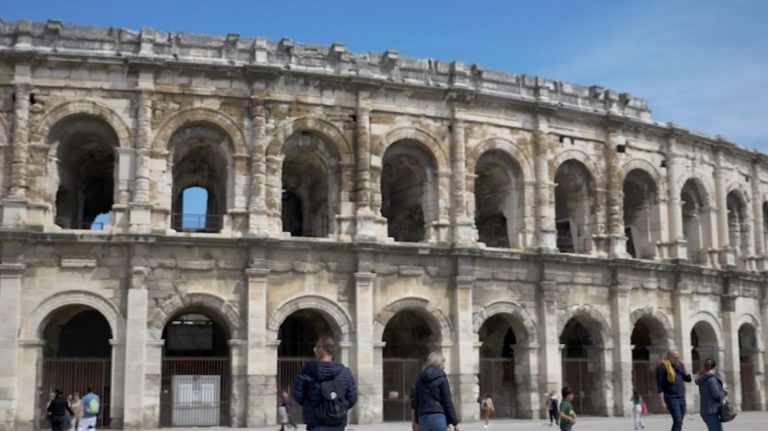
<point>727,412</point>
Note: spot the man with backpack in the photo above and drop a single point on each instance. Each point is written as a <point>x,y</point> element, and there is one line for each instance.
<point>325,389</point>
<point>91,406</point>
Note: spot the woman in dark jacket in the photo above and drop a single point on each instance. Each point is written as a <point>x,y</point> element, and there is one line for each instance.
<point>57,412</point>
<point>711,394</point>
<point>431,399</point>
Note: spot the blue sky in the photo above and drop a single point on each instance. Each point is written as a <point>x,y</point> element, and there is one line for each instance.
<point>702,64</point>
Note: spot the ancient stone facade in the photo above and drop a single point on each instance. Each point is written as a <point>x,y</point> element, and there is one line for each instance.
<point>536,232</point>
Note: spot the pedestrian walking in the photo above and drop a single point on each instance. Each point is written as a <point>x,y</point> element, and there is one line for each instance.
<point>431,404</point>
<point>77,407</point>
<point>91,408</point>
<point>325,389</point>
<point>283,411</point>
<point>553,408</point>
<point>711,394</point>
<point>637,410</point>
<point>58,408</point>
<point>487,409</point>
<point>670,378</point>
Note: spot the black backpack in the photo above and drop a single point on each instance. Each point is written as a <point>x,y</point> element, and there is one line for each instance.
<point>333,406</point>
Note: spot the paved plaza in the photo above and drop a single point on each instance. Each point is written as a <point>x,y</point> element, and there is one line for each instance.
<point>757,421</point>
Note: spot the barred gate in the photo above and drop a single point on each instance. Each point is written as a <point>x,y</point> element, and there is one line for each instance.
<point>195,391</point>
<point>399,377</point>
<point>644,382</point>
<point>749,394</point>
<point>75,375</point>
<point>497,376</point>
<point>287,370</point>
<point>579,374</point>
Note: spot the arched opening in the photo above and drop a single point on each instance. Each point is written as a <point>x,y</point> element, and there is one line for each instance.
<point>196,377</point>
<point>497,365</point>
<point>703,344</point>
<point>582,364</point>
<point>409,191</point>
<point>694,215</point>
<point>642,225</point>
<point>748,361</point>
<point>194,209</point>
<point>499,215</point>
<point>310,186</point>
<point>574,207</point>
<point>86,170</point>
<point>738,227</point>
<point>765,228</point>
<point>200,161</point>
<point>77,355</point>
<point>408,340</point>
<point>298,334</point>
<point>649,343</point>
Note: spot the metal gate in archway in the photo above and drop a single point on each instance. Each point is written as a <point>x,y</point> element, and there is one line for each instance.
<point>195,392</point>
<point>287,370</point>
<point>76,375</point>
<point>749,394</point>
<point>644,382</point>
<point>399,378</point>
<point>497,376</point>
<point>579,374</point>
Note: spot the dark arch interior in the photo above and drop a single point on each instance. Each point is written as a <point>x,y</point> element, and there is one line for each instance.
<point>498,200</point>
<point>407,335</point>
<point>574,206</point>
<point>77,332</point>
<point>498,338</point>
<point>640,198</point>
<point>299,333</point>
<point>577,338</point>
<point>703,343</point>
<point>194,334</point>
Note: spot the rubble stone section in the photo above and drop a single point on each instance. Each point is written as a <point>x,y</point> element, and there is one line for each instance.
<point>548,232</point>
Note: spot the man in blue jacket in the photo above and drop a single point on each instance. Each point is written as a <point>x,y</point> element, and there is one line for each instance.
<point>670,375</point>
<point>325,389</point>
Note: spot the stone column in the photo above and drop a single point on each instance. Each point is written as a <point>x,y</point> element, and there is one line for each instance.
<point>364,366</point>
<point>14,208</point>
<point>545,209</point>
<point>527,380</point>
<point>732,361</point>
<point>677,243</point>
<point>135,349</point>
<point>274,183</point>
<point>758,219</point>
<point>140,217</point>
<point>550,355</point>
<point>238,405</point>
<point>622,353</point>
<point>152,382</point>
<point>464,232</point>
<point>617,241</point>
<point>11,279</point>
<point>722,243</point>
<point>464,354</point>
<point>261,367</point>
<point>257,208</point>
<point>681,308</point>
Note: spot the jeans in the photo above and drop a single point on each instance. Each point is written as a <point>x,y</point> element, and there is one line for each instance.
<point>433,422</point>
<point>676,408</point>
<point>327,428</point>
<point>713,422</point>
<point>637,413</point>
<point>554,416</point>
<point>566,427</point>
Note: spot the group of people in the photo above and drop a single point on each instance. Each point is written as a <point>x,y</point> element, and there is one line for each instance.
<point>73,413</point>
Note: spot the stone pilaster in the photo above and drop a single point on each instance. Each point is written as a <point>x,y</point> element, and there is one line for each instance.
<point>758,220</point>
<point>369,224</point>
<point>11,278</point>
<point>367,386</point>
<point>14,208</point>
<point>273,186</point>
<point>135,349</point>
<point>527,378</point>
<point>722,243</point>
<point>152,382</point>
<point>117,403</point>
<point>681,298</point>
<point>622,353</point>
<point>141,209</point>
<point>545,210</point>
<point>261,366</point>
<point>257,208</point>
<point>464,232</point>
<point>238,401</point>
<point>617,241</point>
<point>550,356</point>
<point>677,243</point>
<point>731,367</point>
<point>464,353</point>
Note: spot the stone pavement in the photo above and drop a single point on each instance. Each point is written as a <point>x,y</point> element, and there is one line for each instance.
<point>751,421</point>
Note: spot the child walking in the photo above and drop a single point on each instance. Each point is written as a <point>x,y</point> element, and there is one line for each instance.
<point>486,409</point>
<point>285,418</point>
<point>637,410</point>
<point>567,415</point>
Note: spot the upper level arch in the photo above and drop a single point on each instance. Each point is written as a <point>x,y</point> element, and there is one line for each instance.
<point>203,115</point>
<point>648,168</point>
<point>513,150</point>
<point>83,107</point>
<point>341,147</point>
<point>572,155</point>
<point>431,143</point>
